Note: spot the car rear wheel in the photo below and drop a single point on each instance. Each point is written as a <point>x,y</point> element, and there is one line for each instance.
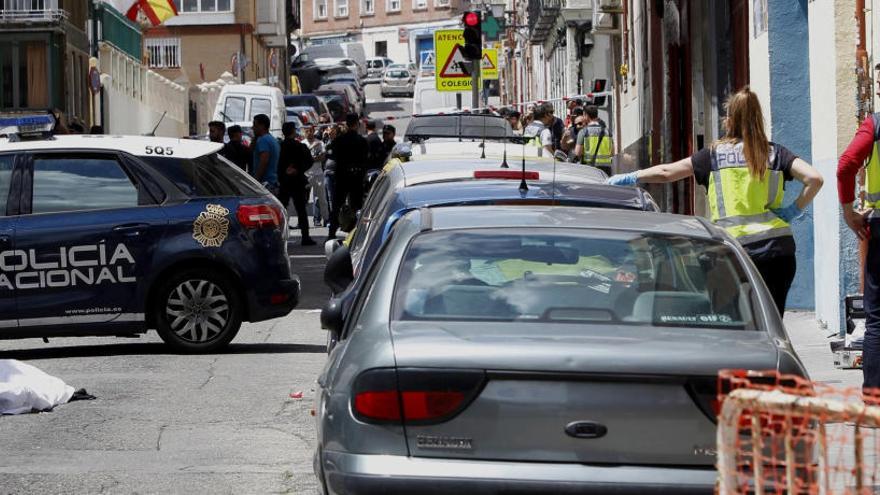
<point>198,311</point>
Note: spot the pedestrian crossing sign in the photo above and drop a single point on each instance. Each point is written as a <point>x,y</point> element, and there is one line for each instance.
<point>426,59</point>
<point>489,64</point>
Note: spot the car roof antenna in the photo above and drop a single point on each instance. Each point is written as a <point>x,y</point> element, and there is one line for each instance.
<point>504,162</point>
<point>523,187</point>
<point>153,132</point>
<point>483,154</point>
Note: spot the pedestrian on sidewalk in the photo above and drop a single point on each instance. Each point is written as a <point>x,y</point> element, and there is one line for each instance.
<point>316,175</point>
<point>216,130</point>
<point>350,151</point>
<point>594,145</point>
<point>865,222</point>
<point>264,166</point>
<point>294,160</point>
<point>236,151</point>
<point>744,175</point>
<point>374,146</point>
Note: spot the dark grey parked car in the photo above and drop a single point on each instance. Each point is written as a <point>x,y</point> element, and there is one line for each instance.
<point>530,349</point>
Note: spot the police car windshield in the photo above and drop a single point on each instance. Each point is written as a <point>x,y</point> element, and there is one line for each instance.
<point>622,278</point>
<point>206,176</point>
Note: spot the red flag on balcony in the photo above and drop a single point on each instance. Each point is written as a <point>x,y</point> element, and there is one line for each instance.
<point>156,11</point>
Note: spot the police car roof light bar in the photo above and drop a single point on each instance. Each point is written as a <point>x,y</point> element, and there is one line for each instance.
<point>18,126</point>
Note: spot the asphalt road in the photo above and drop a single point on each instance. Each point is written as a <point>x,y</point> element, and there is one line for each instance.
<point>167,423</point>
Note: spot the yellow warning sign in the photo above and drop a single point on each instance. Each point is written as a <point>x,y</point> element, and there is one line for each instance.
<point>489,64</point>
<point>453,71</point>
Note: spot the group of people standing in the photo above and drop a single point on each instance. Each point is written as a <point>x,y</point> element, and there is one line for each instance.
<point>582,137</point>
<point>328,162</point>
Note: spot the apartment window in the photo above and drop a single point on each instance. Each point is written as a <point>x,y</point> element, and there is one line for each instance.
<point>320,9</point>
<point>198,6</point>
<point>420,4</point>
<point>441,3</point>
<point>341,8</point>
<point>163,52</point>
<point>368,7</point>
<point>393,5</point>
<point>24,74</point>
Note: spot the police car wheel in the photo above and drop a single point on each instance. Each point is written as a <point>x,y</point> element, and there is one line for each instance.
<point>198,312</point>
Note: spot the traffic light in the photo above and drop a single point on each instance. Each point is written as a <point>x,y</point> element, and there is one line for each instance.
<point>599,87</point>
<point>473,35</point>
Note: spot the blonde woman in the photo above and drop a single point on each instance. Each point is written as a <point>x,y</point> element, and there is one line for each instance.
<point>744,175</point>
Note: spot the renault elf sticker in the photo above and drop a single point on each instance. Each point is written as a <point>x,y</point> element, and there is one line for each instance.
<point>212,226</point>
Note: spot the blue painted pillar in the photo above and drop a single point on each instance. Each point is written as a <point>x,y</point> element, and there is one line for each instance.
<point>789,48</point>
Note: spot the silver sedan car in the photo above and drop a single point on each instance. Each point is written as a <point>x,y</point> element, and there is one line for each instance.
<point>398,82</point>
<point>511,349</point>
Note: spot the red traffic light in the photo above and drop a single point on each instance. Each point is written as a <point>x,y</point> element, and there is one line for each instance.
<point>471,19</point>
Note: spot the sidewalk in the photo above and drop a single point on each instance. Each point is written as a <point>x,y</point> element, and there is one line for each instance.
<point>813,348</point>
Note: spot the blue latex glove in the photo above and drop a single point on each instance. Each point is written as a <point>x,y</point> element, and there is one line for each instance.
<point>629,179</point>
<point>788,213</point>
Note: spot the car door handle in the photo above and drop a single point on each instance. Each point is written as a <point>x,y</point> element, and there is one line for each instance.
<point>131,229</point>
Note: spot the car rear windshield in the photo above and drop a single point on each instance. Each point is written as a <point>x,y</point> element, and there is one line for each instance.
<point>206,176</point>
<point>398,74</point>
<point>301,101</point>
<point>621,278</point>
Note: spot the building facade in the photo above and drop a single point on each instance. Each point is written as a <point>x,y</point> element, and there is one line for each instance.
<point>44,56</point>
<point>397,29</point>
<point>210,37</point>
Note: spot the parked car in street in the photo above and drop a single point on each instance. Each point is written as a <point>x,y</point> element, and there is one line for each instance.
<point>411,67</point>
<point>398,82</point>
<point>541,349</point>
<point>352,98</point>
<point>353,50</point>
<point>312,100</point>
<point>117,235</point>
<point>305,114</point>
<point>350,80</point>
<point>337,103</point>
<point>376,67</point>
<point>307,72</point>
<point>346,63</point>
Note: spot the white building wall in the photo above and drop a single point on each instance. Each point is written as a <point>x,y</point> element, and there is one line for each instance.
<point>631,104</point>
<point>759,68</point>
<point>135,98</point>
<point>826,137</point>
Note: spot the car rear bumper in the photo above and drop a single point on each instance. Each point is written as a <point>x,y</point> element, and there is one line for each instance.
<point>264,308</point>
<point>384,474</point>
<point>403,90</point>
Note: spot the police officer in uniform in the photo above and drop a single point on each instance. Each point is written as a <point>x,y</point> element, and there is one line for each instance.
<point>744,175</point>
<point>594,145</point>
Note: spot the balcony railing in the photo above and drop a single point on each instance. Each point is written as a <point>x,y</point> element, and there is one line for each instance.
<point>31,11</point>
<point>542,18</point>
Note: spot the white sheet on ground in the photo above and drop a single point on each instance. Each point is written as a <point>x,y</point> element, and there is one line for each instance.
<point>24,388</point>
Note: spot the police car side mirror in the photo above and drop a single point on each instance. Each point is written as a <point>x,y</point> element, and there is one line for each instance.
<point>339,273</point>
<point>330,246</point>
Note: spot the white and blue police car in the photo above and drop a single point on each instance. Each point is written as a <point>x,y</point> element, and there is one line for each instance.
<point>117,235</point>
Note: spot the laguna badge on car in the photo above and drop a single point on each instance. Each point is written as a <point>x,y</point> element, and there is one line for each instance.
<point>211,227</point>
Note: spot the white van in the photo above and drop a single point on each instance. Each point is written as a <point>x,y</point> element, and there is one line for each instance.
<point>239,103</point>
<point>426,98</point>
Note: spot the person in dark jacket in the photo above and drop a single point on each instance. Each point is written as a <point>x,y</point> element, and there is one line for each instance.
<point>374,145</point>
<point>350,153</point>
<point>294,160</point>
<point>236,151</point>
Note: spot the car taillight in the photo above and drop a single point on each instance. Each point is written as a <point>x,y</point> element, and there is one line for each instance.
<point>506,174</point>
<point>259,216</point>
<point>414,395</point>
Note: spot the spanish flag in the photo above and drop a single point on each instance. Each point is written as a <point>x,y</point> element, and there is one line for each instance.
<point>156,11</point>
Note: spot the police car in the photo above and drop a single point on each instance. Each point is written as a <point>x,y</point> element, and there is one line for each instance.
<point>115,235</point>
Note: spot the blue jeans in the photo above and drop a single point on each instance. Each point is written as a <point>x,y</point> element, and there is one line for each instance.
<point>329,184</point>
<point>871,346</point>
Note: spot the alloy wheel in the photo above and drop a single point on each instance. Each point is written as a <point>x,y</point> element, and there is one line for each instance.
<point>197,310</point>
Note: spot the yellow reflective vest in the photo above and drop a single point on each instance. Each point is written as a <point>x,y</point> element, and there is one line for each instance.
<point>741,203</point>
<point>592,135</point>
